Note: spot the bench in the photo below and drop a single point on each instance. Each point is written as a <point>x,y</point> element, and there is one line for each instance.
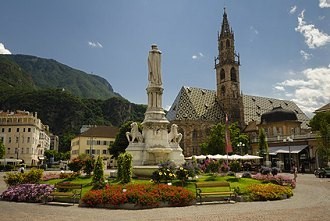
<point>66,190</point>
<point>214,188</point>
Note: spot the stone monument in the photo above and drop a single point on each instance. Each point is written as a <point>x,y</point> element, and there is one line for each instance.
<point>155,144</point>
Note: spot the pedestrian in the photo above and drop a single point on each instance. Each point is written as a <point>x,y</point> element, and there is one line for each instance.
<point>21,169</point>
<point>295,173</point>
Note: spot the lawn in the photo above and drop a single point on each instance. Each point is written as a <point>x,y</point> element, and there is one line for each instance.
<point>240,183</point>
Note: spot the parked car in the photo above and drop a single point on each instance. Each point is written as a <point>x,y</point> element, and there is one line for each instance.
<point>322,172</point>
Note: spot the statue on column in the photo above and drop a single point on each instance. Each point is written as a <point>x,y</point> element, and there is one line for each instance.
<point>154,61</point>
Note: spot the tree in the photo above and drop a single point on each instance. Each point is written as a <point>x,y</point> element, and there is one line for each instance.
<point>98,174</point>
<point>263,145</point>
<point>2,149</point>
<point>215,142</point>
<point>237,137</point>
<point>121,141</point>
<point>321,123</point>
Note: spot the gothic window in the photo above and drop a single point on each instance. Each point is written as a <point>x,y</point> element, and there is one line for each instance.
<point>233,74</point>
<point>222,74</point>
<point>227,43</point>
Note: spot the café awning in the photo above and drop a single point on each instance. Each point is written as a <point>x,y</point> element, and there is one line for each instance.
<point>286,149</point>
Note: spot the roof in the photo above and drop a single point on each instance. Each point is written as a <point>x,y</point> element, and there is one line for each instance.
<point>195,104</point>
<point>201,104</point>
<point>278,114</point>
<point>323,108</point>
<point>101,131</point>
<point>255,106</point>
<point>286,149</point>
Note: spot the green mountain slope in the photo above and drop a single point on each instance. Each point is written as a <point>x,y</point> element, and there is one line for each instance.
<point>50,74</point>
<point>12,75</point>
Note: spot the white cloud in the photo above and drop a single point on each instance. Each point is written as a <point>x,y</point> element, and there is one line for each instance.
<point>311,91</point>
<point>95,44</point>
<point>324,4</point>
<point>3,50</point>
<point>313,36</point>
<point>254,30</point>
<point>293,9</point>
<point>305,55</point>
<point>197,56</point>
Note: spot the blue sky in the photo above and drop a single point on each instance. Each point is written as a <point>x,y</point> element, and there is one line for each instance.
<point>283,45</point>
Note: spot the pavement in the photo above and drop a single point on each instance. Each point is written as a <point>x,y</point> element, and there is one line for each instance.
<point>311,201</point>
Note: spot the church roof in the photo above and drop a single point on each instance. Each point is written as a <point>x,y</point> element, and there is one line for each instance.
<point>200,104</point>
<point>195,104</point>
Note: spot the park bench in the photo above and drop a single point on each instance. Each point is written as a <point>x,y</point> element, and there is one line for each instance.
<point>213,188</point>
<point>71,191</point>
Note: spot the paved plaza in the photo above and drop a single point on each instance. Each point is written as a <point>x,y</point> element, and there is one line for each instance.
<point>311,201</point>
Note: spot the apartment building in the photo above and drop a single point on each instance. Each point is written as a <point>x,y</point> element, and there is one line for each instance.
<point>24,136</point>
<point>95,141</point>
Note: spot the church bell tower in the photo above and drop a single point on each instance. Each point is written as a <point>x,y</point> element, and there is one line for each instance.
<point>227,74</point>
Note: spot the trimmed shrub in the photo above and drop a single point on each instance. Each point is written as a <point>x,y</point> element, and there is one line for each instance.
<point>16,178</point>
<point>98,174</point>
<point>125,167</point>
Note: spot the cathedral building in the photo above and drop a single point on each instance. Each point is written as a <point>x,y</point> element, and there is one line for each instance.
<point>197,110</point>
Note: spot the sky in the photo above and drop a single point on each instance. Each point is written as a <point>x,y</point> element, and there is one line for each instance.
<point>284,45</point>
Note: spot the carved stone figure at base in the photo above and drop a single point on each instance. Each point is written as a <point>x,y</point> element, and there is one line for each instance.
<point>173,135</point>
<point>135,134</point>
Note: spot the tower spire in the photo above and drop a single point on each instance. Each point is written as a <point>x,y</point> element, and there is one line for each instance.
<point>225,27</point>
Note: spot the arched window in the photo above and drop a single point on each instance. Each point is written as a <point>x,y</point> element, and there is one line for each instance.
<point>233,74</point>
<point>222,74</point>
<point>227,43</point>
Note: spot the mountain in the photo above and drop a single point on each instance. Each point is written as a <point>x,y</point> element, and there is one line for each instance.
<point>31,72</point>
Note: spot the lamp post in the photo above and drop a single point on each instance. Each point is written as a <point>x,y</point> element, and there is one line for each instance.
<point>289,139</point>
<point>240,145</point>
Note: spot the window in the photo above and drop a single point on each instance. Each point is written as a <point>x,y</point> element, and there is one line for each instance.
<point>17,139</point>
<point>233,74</point>
<point>227,43</point>
<point>9,139</point>
<point>17,129</point>
<point>93,151</point>
<point>28,139</point>
<point>98,142</point>
<point>9,129</point>
<point>87,151</point>
<point>98,152</point>
<point>3,130</point>
<point>8,150</point>
<point>104,142</point>
<point>24,129</point>
<point>29,129</point>
<point>27,150</point>
<point>222,74</point>
<point>104,151</point>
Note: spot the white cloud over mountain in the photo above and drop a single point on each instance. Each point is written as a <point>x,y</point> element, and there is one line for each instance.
<point>3,50</point>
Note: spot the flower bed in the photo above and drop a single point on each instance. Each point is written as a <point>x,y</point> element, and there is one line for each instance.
<point>27,192</point>
<point>263,192</point>
<point>140,195</point>
<point>277,179</point>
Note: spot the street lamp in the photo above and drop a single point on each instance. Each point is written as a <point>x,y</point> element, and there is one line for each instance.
<point>240,145</point>
<point>289,139</point>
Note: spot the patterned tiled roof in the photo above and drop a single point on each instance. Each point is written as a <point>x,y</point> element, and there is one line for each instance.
<point>200,104</point>
<point>195,104</point>
<point>255,106</point>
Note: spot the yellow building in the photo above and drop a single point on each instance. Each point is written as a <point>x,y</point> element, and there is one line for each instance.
<point>96,142</point>
<point>24,136</point>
